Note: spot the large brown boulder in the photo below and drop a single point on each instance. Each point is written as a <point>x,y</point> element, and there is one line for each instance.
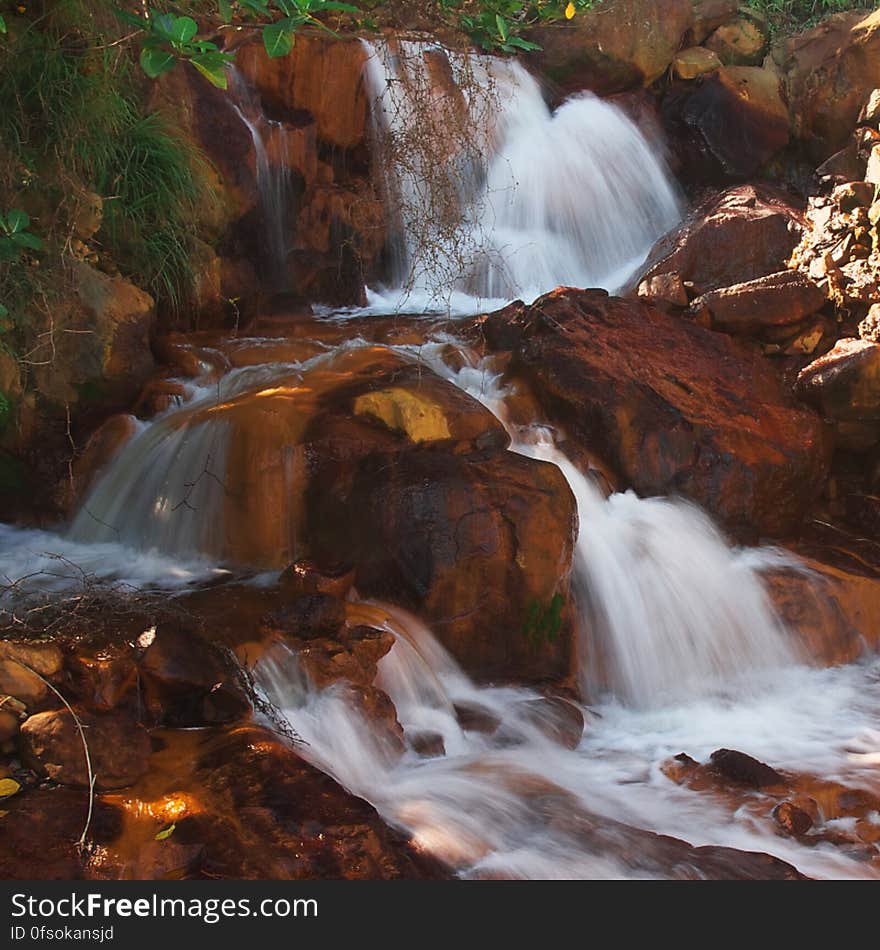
<point>735,236</point>
<point>674,408</point>
<point>99,341</point>
<point>732,123</point>
<point>476,544</point>
<point>844,385</point>
<point>829,72</point>
<point>118,748</point>
<point>618,45</point>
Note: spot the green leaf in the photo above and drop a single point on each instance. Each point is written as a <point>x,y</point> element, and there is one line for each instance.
<point>225,10</point>
<point>503,30</point>
<point>333,5</point>
<point>155,61</point>
<point>165,833</point>
<point>4,312</point>
<point>26,239</point>
<point>519,43</point>
<point>17,220</point>
<point>183,29</point>
<point>2,24</point>
<point>278,39</point>
<point>213,67</point>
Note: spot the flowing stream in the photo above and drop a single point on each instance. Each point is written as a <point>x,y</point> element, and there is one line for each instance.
<point>494,197</point>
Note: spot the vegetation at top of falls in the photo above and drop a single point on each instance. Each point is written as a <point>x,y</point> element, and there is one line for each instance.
<point>74,129</point>
<point>791,16</point>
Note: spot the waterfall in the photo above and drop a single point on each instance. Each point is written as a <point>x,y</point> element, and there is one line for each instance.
<point>492,196</point>
<point>274,180</point>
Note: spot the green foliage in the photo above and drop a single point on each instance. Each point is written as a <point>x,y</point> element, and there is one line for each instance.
<point>543,621</point>
<point>788,16</point>
<point>72,123</point>
<point>497,25</point>
<point>15,238</point>
<point>5,411</point>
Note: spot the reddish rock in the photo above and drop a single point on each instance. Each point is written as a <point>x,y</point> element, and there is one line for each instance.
<point>829,72</point>
<point>296,823</point>
<point>322,76</point>
<point>119,748</point>
<point>304,577</point>
<point>189,682</point>
<point>833,609</point>
<point>740,42</point>
<point>560,721</point>
<point>473,717</point>
<point>710,14</point>
<point>616,46</point>
<point>103,446</point>
<point>738,235</point>
<point>844,385</point>
<point>427,744</point>
<point>308,617</point>
<point>103,676</point>
<point>778,300</point>
<point>692,413</point>
<point>24,668</point>
<point>470,542</point>
<point>737,119</point>
<point>742,768</point>
<point>793,820</point>
<point>159,395</point>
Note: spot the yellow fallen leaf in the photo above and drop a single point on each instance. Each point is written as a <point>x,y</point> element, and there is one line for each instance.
<point>165,833</point>
<point>8,786</point>
<point>569,10</point>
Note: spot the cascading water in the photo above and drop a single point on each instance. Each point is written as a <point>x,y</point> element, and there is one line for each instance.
<point>274,181</point>
<point>494,197</point>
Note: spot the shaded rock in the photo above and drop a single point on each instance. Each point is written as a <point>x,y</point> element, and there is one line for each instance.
<point>100,341</point>
<point>103,446</point>
<point>739,235</point>
<point>739,767</point>
<point>844,385</point>
<point>470,542</point>
<point>778,300</point>
<point>103,676</point>
<point>300,824</point>
<point>159,395</point>
<point>710,14</point>
<point>829,72</point>
<point>869,328</point>
<point>691,414</point>
<point>664,289</point>
<point>304,577</point>
<point>44,660</point>
<point>308,617</point>
<point>615,46</point>
<point>119,748</point>
<point>694,62</point>
<point>740,42</point>
<point>189,682</point>
<point>737,118</point>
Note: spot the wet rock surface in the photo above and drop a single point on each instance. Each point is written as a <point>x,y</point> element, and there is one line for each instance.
<point>693,415</point>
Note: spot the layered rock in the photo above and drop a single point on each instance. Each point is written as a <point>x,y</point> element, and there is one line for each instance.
<point>740,235</point>
<point>615,46</point>
<point>730,124</point>
<point>690,414</point>
<point>828,72</point>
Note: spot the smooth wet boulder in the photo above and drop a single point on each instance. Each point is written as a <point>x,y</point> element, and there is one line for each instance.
<point>673,408</point>
<point>844,385</point>
<point>25,666</point>
<point>744,769</point>
<point>118,748</point>
<point>733,122</point>
<point>695,62</point>
<point>475,543</point>
<point>738,235</point>
<point>711,14</point>
<point>618,45</point>
<point>765,304</point>
<point>829,71</point>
